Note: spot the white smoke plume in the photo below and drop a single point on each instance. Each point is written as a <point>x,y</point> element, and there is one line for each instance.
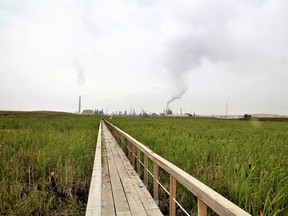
<point>80,73</point>
<point>176,96</point>
<point>186,54</point>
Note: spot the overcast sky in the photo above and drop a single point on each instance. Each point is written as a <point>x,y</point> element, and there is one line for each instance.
<point>141,54</point>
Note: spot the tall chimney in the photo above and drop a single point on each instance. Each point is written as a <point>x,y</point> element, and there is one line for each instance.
<point>80,104</point>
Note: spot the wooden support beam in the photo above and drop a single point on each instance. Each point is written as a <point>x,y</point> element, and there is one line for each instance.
<point>130,152</point>
<point>121,141</point>
<point>172,203</point>
<point>133,155</point>
<point>155,183</point>
<point>146,170</point>
<point>138,161</point>
<point>125,148</point>
<point>202,208</point>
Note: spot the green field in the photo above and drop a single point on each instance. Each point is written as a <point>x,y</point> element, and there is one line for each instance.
<point>245,161</point>
<point>46,162</point>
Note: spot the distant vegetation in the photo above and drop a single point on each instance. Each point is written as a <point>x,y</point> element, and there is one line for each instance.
<point>33,113</point>
<point>245,161</point>
<point>46,161</point>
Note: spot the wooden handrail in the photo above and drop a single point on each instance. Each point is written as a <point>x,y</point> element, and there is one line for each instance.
<point>94,198</point>
<point>206,196</point>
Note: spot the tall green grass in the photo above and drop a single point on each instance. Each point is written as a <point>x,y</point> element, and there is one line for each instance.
<point>46,163</point>
<point>245,161</point>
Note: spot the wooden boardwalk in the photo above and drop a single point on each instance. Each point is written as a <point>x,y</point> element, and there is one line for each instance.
<point>123,192</point>
<point>116,188</point>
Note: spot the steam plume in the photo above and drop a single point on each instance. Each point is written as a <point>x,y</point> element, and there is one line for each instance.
<point>80,73</point>
<point>177,96</point>
<point>186,54</point>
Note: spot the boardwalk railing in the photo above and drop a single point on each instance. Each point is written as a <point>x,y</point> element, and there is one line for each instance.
<point>206,196</point>
<point>94,198</point>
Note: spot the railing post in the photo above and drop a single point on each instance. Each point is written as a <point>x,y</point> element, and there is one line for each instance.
<point>133,155</point>
<point>122,142</point>
<point>155,183</point>
<point>128,151</point>
<point>146,170</point>
<point>202,208</point>
<point>172,203</point>
<point>138,161</point>
<point>130,146</point>
<point>123,145</point>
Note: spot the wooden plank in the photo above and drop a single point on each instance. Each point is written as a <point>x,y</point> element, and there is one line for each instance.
<point>120,200</point>
<point>94,198</point>
<point>134,201</point>
<point>202,208</point>
<point>150,207</point>
<point>143,193</point>
<point>211,198</point>
<point>145,196</point>
<point>128,213</point>
<point>172,204</point>
<point>154,212</point>
<point>106,194</point>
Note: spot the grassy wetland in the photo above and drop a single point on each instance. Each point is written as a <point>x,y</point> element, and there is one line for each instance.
<point>46,162</point>
<point>245,161</point>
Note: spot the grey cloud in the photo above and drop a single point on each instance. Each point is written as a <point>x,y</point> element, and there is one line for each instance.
<point>222,36</point>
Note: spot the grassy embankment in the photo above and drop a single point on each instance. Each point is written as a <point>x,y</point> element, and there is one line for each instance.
<point>245,161</point>
<point>46,162</point>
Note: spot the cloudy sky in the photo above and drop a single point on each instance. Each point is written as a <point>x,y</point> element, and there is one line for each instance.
<point>141,54</point>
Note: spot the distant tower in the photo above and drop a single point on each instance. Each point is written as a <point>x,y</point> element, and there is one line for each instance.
<point>80,104</point>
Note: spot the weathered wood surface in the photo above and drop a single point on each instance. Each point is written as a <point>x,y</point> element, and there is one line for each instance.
<point>129,196</point>
<point>106,194</point>
<point>94,198</point>
<point>172,204</point>
<point>209,197</point>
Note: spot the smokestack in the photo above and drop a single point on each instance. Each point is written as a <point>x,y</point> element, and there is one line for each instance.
<point>80,104</point>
